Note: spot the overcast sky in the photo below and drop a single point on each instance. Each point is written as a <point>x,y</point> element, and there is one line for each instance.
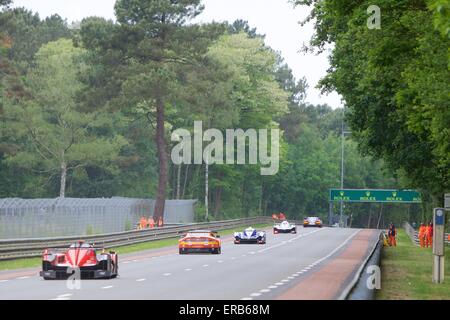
<point>277,19</point>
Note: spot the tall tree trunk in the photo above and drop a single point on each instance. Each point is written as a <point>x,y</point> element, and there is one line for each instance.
<point>370,216</point>
<point>379,218</point>
<point>206,191</point>
<point>62,188</point>
<point>162,159</point>
<point>178,181</point>
<point>218,200</point>
<point>185,181</point>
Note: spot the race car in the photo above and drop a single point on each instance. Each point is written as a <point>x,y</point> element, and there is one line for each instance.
<point>200,241</point>
<point>284,227</point>
<point>81,259</point>
<point>250,235</point>
<point>312,222</point>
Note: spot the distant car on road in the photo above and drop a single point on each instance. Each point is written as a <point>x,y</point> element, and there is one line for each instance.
<point>90,262</point>
<point>250,235</point>
<point>200,241</point>
<point>284,227</point>
<point>312,222</point>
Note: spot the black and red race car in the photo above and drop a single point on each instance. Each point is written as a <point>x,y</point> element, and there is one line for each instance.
<point>80,258</point>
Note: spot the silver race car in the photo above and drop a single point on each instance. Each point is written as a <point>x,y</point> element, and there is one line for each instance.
<point>250,235</point>
<point>284,227</point>
<point>312,222</point>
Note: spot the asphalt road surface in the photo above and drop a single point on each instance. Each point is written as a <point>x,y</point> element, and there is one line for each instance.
<point>312,264</point>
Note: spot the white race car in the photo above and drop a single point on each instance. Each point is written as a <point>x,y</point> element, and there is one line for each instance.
<point>250,235</point>
<point>284,227</point>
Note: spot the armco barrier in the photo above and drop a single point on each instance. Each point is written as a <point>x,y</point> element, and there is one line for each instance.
<point>27,248</point>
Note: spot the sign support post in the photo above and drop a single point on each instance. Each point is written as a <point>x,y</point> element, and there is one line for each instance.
<point>438,245</point>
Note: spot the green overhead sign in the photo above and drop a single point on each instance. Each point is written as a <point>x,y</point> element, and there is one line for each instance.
<point>369,195</point>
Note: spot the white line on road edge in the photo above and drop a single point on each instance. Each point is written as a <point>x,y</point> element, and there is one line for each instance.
<point>107,287</point>
<point>140,280</point>
<point>205,265</point>
<point>306,269</point>
<point>256,294</point>
<point>247,298</point>
<point>1,281</point>
<point>284,242</point>
<point>22,278</point>
<point>187,269</point>
<point>167,274</point>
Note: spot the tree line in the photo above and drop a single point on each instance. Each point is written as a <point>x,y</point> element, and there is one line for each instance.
<point>88,112</point>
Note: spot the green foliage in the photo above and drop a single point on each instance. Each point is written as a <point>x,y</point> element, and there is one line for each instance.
<point>101,101</point>
<point>49,131</point>
<point>395,84</point>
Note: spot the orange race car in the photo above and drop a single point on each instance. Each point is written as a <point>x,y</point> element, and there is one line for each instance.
<point>200,241</point>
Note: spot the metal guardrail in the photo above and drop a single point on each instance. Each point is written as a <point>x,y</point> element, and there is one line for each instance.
<point>357,281</point>
<point>28,248</point>
<point>414,234</point>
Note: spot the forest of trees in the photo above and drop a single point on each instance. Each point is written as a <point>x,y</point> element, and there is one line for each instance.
<point>88,111</point>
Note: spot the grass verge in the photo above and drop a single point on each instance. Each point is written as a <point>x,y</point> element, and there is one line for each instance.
<point>36,262</point>
<point>407,271</point>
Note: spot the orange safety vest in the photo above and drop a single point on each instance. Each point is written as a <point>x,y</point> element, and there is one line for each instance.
<point>422,231</point>
<point>151,222</point>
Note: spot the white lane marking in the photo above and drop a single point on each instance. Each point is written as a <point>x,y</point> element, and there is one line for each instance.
<point>253,252</point>
<point>205,265</point>
<point>187,269</point>
<point>220,261</point>
<point>256,294</point>
<point>272,287</point>
<point>306,269</point>
<point>167,274</point>
<point>247,298</point>
<point>140,280</point>
<point>295,275</point>
<point>264,290</point>
<point>135,260</point>
<point>126,262</point>
<point>290,278</point>
<point>22,278</point>
<point>107,287</point>
<point>244,255</point>
<point>284,242</point>
<point>337,248</point>
<point>1,281</point>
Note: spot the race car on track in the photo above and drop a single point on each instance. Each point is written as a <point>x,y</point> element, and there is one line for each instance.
<point>250,235</point>
<point>284,227</point>
<point>312,222</point>
<point>200,241</point>
<point>81,259</point>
